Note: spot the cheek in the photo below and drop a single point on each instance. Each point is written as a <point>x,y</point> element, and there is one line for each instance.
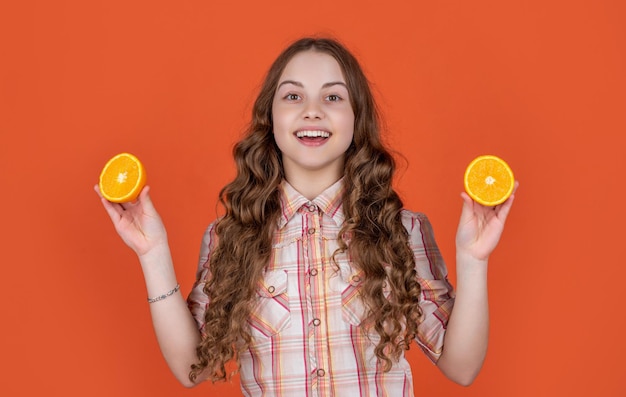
<point>279,132</point>
<point>349,115</point>
<point>349,122</point>
<point>347,131</point>
<point>280,117</point>
<point>343,117</point>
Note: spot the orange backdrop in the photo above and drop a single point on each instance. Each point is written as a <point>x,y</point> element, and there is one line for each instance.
<point>539,83</point>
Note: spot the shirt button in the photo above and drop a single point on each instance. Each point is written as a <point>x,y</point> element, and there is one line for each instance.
<point>312,208</point>
<point>313,272</point>
<point>311,231</point>
<point>316,321</point>
<point>271,289</point>
<point>356,278</point>
<point>321,372</point>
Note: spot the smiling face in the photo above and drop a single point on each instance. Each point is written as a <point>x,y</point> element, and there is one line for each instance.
<point>313,120</point>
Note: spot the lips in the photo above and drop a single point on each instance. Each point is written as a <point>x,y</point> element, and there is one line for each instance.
<point>302,134</point>
<point>312,137</point>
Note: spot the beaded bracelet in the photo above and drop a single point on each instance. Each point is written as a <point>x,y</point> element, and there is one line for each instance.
<point>168,293</point>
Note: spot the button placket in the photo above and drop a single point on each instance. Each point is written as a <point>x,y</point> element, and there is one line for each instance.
<point>318,357</point>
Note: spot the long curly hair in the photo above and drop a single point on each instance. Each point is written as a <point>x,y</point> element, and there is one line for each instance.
<point>373,234</point>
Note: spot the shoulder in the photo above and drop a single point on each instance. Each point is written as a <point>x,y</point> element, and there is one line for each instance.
<point>209,242</point>
<point>419,228</point>
<point>210,234</point>
<point>414,220</point>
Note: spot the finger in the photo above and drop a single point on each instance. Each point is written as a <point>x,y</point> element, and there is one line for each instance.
<point>503,211</point>
<point>96,187</point>
<point>509,202</point>
<point>113,210</point>
<point>467,211</point>
<point>515,186</point>
<point>474,206</point>
<point>466,198</point>
<point>143,203</point>
<point>145,199</point>
<point>144,192</point>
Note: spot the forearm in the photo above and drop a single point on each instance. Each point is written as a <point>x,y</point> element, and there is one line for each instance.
<point>175,328</point>
<point>467,333</point>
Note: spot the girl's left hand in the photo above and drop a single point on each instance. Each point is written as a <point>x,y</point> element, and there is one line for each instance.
<point>480,227</point>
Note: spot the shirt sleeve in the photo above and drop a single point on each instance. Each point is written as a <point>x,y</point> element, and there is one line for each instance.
<point>437,296</point>
<point>197,300</point>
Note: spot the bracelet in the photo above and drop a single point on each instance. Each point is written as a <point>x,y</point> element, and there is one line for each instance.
<point>168,293</point>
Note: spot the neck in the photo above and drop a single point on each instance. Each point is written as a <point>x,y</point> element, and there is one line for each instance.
<point>311,184</point>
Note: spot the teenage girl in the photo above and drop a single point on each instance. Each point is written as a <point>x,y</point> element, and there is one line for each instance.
<point>316,280</point>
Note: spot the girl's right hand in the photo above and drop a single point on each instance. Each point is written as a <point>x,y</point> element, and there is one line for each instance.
<point>137,223</point>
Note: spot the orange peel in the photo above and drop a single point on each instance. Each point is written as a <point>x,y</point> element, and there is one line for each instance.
<point>122,178</point>
<point>489,180</point>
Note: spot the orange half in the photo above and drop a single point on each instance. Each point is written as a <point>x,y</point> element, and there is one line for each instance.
<point>489,180</point>
<point>122,178</point>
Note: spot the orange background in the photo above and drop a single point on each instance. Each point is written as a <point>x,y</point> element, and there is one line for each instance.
<point>539,83</point>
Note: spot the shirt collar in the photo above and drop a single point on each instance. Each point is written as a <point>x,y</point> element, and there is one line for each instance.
<point>329,201</point>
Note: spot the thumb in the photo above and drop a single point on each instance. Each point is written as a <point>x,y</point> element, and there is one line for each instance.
<point>145,199</point>
<point>467,211</point>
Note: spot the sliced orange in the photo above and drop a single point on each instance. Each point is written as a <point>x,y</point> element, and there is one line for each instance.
<point>489,180</point>
<point>122,178</point>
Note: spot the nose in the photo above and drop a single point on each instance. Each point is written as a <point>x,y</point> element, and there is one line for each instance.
<point>313,110</point>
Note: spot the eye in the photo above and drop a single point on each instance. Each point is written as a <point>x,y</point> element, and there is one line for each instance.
<point>333,98</point>
<point>292,97</point>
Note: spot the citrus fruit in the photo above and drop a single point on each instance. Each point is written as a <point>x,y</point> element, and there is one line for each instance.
<point>489,180</point>
<point>122,178</point>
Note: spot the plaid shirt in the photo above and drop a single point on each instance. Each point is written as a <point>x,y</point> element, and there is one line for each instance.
<point>305,323</point>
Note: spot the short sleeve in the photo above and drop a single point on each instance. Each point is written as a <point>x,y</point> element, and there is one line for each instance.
<point>437,296</point>
<point>197,300</point>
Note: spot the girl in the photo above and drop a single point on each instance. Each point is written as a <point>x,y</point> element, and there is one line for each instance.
<point>316,280</point>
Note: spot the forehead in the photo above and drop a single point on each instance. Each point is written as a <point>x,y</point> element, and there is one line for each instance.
<point>312,66</point>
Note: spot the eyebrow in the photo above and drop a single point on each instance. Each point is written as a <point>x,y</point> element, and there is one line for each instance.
<point>299,84</point>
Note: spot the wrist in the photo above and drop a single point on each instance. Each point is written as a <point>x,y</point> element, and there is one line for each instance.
<point>469,256</point>
<point>164,295</point>
<point>158,271</point>
<point>155,257</point>
<point>156,250</point>
<point>470,265</point>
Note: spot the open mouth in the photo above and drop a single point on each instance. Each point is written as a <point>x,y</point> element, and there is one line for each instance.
<point>312,135</point>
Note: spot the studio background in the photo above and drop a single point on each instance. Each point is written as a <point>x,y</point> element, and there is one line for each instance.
<point>538,83</point>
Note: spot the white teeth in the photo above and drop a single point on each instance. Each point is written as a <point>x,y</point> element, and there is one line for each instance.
<point>312,134</point>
